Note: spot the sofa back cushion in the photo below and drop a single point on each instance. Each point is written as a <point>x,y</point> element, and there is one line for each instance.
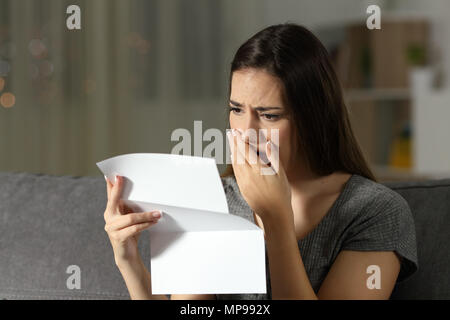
<point>48,224</point>
<point>430,205</point>
<point>52,230</point>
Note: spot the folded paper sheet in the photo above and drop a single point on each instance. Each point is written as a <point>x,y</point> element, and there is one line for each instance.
<point>197,246</point>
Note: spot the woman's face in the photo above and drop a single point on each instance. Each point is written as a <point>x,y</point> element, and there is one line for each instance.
<point>256,102</point>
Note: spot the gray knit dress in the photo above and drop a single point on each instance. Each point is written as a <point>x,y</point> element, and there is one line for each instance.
<point>366,216</point>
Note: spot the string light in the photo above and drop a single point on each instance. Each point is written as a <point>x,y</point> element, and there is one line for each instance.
<point>136,41</point>
<point>7,100</point>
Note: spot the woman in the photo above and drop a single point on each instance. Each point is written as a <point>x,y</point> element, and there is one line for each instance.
<point>331,231</point>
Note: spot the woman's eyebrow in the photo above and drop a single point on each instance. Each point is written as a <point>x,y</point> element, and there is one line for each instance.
<point>234,103</point>
<point>266,108</point>
<point>237,104</point>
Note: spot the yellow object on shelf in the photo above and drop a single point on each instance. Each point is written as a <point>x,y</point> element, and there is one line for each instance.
<point>401,153</point>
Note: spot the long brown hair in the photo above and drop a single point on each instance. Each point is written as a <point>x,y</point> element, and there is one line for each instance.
<point>313,95</point>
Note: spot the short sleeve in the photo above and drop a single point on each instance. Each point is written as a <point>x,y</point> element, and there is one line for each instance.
<point>386,224</point>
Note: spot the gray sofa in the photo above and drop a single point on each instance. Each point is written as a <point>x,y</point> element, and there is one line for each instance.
<point>48,224</point>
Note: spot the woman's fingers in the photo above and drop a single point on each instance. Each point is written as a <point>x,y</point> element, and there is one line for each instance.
<point>125,226</point>
<point>125,233</point>
<point>114,205</point>
<point>232,143</point>
<point>273,155</point>
<point>114,196</point>
<point>108,187</point>
<point>124,208</point>
<point>238,147</point>
<point>247,152</point>
<point>127,220</point>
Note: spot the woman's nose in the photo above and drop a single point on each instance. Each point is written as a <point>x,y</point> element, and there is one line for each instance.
<point>251,124</point>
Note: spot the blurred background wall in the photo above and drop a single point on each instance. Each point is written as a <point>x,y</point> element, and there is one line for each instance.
<point>139,69</point>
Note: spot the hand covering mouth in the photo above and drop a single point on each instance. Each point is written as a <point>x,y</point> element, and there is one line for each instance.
<point>260,152</point>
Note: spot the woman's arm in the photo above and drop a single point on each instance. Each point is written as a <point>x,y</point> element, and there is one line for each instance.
<point>123,228</point>
<point>347,278</point>
<point>138,281</point>
<point>288,277</point>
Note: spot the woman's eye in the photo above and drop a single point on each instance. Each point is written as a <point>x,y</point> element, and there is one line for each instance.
<point>235,110</point>
<point>271,117</point>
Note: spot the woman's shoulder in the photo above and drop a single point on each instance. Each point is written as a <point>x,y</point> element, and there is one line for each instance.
<point>230,187</point>
<point>362,195</point>
<point>228,181</point>
<point>236,203</point>
<point>376,217</point>
<point>369,207</point>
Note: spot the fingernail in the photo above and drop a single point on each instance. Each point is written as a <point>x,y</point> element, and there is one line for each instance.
<point>157,214</point>
<point>273,146</point>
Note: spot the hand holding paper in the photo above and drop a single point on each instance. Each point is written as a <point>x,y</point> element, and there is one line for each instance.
<point>123,225</point>
<point>197,247</point>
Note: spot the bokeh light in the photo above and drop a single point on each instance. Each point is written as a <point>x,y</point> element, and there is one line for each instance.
<point>136,41</point>
<point>37,48</point>
<point>7,100</point>
<point>2,83</point>
<point>5,67</point>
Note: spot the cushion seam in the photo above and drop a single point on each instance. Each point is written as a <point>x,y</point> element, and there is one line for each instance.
<point>418,187</point>
<point>80,292</point>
